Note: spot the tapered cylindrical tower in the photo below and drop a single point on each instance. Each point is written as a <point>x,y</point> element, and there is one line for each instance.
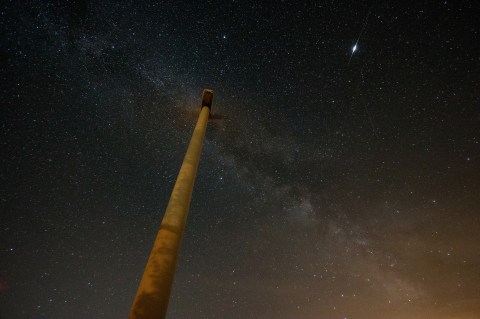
<point>151,300</point>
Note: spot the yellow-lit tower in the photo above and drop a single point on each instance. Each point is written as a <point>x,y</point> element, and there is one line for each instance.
<point>151,300</point>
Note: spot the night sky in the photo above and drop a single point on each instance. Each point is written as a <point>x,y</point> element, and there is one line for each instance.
<point>334,182</point>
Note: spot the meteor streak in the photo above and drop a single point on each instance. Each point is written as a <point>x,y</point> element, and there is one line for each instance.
<point>360,34</point>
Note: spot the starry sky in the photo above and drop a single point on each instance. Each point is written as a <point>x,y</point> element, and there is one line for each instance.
<point>334,182</point>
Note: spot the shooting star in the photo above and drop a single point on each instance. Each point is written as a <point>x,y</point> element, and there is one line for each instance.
<point>355,47</point>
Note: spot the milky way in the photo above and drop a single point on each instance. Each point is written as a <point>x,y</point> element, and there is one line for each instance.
<point>325,189</point>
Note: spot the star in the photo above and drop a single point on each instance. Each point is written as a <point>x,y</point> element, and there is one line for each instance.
<point>314,184</point>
